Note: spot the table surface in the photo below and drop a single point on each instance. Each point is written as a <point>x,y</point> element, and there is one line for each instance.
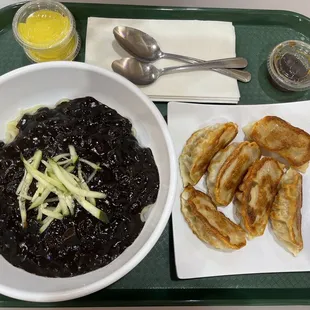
<point>300,6</point>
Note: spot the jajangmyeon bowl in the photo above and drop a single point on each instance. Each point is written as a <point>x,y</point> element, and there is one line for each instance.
<point>87,180</point>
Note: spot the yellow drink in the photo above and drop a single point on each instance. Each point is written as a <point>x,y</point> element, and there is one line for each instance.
<point>47,33</point>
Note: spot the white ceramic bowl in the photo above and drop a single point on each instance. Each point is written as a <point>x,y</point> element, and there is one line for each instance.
<point>46,84</point>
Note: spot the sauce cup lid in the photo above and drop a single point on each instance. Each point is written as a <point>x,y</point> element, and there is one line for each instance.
<point>33,6</point>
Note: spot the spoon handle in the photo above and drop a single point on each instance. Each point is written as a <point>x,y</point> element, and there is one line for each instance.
<point>242,76</point>
<point>237,62</point>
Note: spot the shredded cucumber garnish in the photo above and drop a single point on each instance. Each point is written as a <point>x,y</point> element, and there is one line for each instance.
<point>91,176</point>
<point>26,197</point>
<point>66,179</point>
<point>84,185</point>
<point>100,215</point>
<point>48,221</point>
<point>42,178</point>
<point>39,191</point>
<point>26,182</point>
<point>40,200</point>
<point>58,179</point>
<point>52,214</point>
<point>19,188</point>
<point>73,154</point>
<point>89,163</point>
<point>70,203</point>
<point>70,168</point>
<point>61,156</point>
<point>64,162</point>
<point>49,200</point>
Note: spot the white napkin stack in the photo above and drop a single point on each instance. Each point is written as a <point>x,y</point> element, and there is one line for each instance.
<point>200,39</point>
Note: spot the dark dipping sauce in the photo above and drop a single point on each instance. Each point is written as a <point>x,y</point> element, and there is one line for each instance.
<point>292,67</point>
<point>80,243</point>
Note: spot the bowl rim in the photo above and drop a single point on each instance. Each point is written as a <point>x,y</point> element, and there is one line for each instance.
<point>140,255</point>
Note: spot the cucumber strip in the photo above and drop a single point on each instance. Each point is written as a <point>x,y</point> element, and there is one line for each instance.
<point>69,168</point>
<point>39,191</point>
<point>19,188</point>
<point>49,220</point>
<point>52,175</point>
<point>40,215</point>
<point>26,197</point>
<point>84,185</point>
<point>23,211</point>
<point>52,209</point>
<point>70,203</point>
<point>46,220</point>
<point>61,156</point>
<point>47,223</point>
<point>63,204</point>
<point>97,213</point>
<point>52,214</point>
<point>70,177</point>
<point>73,154</point>
<point>66,179</point>
<point>91,176</point>
<point>25,187</point>
<point>89,163</point>
<point>40,200</point>
<point>65,210</point>
<point>67,161</point>
<point>46,164</point>
<point>42,178</point>
<point>56,199</point>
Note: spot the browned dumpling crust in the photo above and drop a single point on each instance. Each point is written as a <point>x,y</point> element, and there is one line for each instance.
<point>256,194</point>
<point>200,149</point>
<point>227,170</point>
<point>285,214</point>
<point>209,224</point>
<point>276,135</point>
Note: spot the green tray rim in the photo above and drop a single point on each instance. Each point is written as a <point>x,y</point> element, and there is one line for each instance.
<point>178,297</point>
<point>17,5</point>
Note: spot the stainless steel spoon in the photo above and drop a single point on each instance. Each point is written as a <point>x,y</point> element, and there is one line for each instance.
<point>145,48</point>
<point>141,73</point>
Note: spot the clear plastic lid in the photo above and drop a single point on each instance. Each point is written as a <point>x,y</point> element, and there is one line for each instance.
<point>289,65</point>
<point>43,24</point>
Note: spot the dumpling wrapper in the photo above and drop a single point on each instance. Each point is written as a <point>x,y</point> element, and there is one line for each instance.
<point>227,170</point>
<point>209,224</point>
<point>276,135</point>
<point>200,149</point>
<point>256,194</point>
<point>285,214</point>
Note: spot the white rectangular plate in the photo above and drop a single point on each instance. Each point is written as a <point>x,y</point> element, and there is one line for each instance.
<point>195,259</point>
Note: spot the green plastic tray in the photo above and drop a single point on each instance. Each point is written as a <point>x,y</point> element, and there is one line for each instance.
<point>154,280</point>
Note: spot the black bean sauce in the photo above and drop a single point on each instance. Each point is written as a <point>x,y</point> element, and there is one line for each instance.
<point>80,243</point>
<point>292,67</point>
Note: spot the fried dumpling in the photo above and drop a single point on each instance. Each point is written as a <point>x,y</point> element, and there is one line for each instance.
<point>200,149</point>
<point>285,214</point>
<point>227,170</point>
<point>276,135</point>
<point>256,194</point>
<point>209,224</point>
